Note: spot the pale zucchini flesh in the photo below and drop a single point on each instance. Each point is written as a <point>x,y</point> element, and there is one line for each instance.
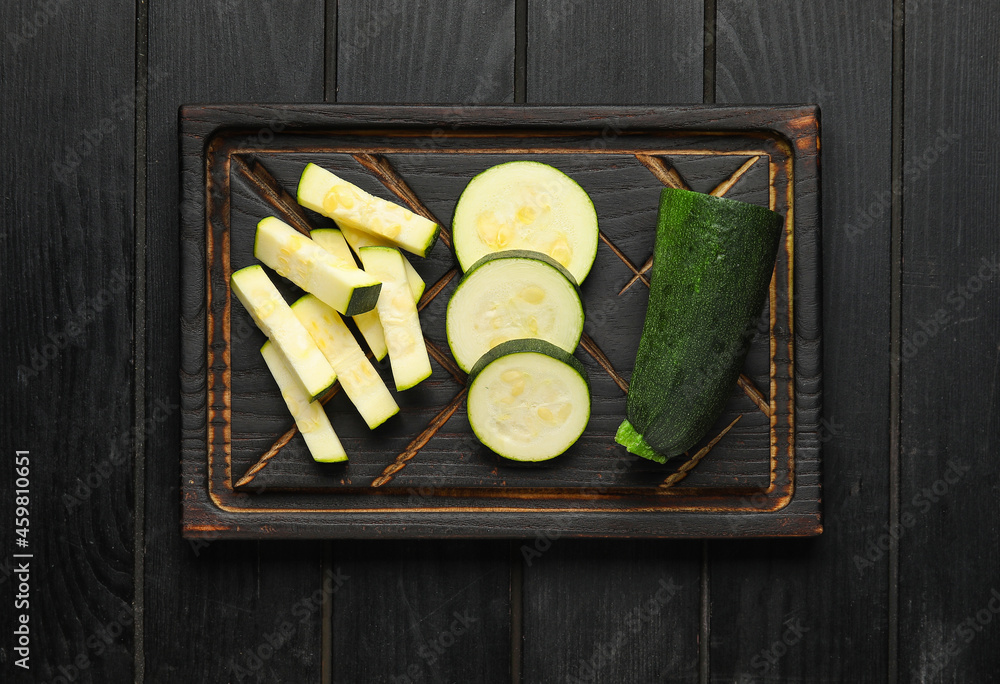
<point>360,380</point>
<point>352,207</point>
<point>275,319</point>
<point>309,415</point>
<point>358,239</point>
<point>292,255</point>
<point>333,241</point>
<point>508,296</point>
<point>526,205</point>
<point>528,400</point>
<point>398,314</point>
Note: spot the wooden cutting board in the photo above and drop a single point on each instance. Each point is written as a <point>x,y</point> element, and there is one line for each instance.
<point>246,472</point>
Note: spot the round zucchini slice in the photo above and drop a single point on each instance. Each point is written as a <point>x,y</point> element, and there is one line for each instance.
<point>512,295</point>
<point>526,205</point>
<point>528,400</point>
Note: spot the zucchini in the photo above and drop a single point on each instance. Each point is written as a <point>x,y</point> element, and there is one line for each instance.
<point>332,240</point>
<point>275,319</point>
<point>512,295</point>
<point>361,383</point>
<point>398,314</point>
<point>528,400</point>
<point>309,415</point>
<point>712,264</point>
<point>358,239</point>
<point>526,205</point>
<point>352,207</point>
<point>292,255</point>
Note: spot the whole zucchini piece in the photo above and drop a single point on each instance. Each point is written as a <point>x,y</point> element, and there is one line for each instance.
<point>712,264</point>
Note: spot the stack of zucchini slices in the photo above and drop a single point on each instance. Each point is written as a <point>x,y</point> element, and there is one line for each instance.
<point>309,347</point>
<point>525,234</point>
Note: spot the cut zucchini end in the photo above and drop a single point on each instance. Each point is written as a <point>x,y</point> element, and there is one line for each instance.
<point>320,395</point>
<point>331,458</point>
<point>375,423</point>
<point>431,241</point>
<point>363,299</point>
<point>306,193</point>
<point>633,442</point>
<point>413,381</point>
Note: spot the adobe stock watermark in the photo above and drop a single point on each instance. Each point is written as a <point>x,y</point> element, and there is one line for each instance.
<point>96,644</point>
<point>118,114</point>
<point>558,11</point>
<point>956,299</point>
<point>121,451</point>
<point>33,22</point>
<point>829,429</point>
<point>432,649</point>
<point>265,135</point>
<point>913,170</point>
<point>887,26</point>
<point>486,83</point>
<point>365,36</point>
<point>923,501</point>
<point>86,313</point>
<point>635,620</point>
<point>967,631</point>
<point>767,659</point>
<point>543,540</point>
<point>248,664</point>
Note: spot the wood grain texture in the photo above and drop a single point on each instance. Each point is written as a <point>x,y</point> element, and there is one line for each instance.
<point>780,593</point>
<point>426,51</point>
<point>949,553</point>
<point>258,600</point>
<point>614,53</point>
<point>625,196</point>
<point>68,392</point>
<point>591,609</point>
<point>330,132</point>
<point>424,611</point>
<point>610,611</point>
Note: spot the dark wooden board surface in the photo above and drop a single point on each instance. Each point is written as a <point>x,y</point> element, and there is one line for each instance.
<point>197,610</point>
<point>453,457</point>
<point>66,243</point>
<point>802,627</point>
<point>407,592</point>
<point>231,191</point>
<point>625,626</point>
<point>261,602</point>
<point>949,546</point>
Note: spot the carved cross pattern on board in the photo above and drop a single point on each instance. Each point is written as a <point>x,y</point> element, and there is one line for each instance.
<point>290,211</point>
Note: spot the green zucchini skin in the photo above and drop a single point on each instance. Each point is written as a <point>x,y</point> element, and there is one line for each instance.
<point>712,264</point>
<point>530,346</point>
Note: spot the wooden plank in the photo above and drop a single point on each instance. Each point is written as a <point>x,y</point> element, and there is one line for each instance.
<point>422,611</point>
<point>615,53</point>
<point>409,597</point>
<point>68,399</point>
<point>949,615</point>
<point>260,602</point>
<point>602,611</point>
<point>432,51</point>
<point>779,610</point>
<point>598,611</point>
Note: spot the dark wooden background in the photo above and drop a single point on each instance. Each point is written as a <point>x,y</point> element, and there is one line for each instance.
<point>899,588</point>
